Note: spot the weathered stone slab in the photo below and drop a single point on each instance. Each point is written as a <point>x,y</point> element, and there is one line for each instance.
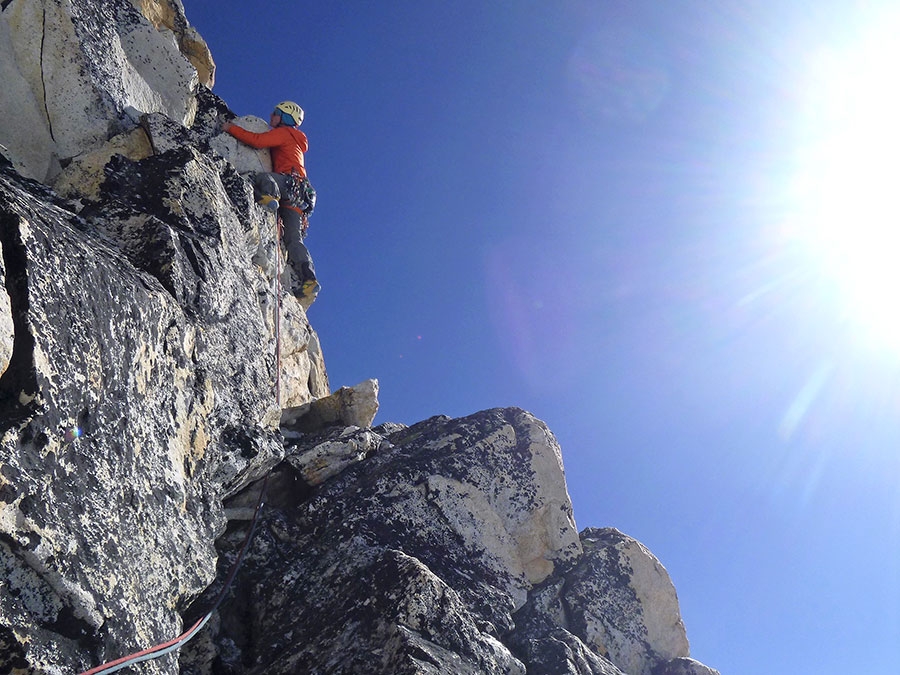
<point>347,407</point>
<point>23,125</point>
<point>332,455</point>
<point>684,666</point>
<point>245,159</point>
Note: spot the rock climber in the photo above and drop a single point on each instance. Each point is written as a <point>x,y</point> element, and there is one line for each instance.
<point>282,191</point>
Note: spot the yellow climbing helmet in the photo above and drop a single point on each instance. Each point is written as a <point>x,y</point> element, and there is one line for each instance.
<point>293,110</point>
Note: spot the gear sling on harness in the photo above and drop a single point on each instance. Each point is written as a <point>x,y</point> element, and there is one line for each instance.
<point>302,197</point>
<point>302,194</point>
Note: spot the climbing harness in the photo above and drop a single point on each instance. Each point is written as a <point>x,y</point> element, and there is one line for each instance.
<point>173,645</point>
<point>301,194</point>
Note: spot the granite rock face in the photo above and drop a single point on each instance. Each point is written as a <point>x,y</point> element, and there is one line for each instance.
<point>105,424</point>
<point>445,547</point>
<point>617,601</point>
<point>419,553</point>
<point>136,331</point>
<point>143,407</point>
<point>73,68</point>
<point>138,393</point>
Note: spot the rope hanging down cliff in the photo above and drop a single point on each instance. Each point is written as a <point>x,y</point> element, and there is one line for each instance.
<point>278,311</point>
<point>175,644</point>
<point>164,648</point>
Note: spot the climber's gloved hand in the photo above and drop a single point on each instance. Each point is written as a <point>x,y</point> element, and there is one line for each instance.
<point>224,123</point>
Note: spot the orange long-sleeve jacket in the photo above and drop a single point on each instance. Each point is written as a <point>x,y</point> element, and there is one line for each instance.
<point>287,145</point>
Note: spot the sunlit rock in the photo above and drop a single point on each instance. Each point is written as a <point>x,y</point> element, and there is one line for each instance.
<point>322,456</point>
<point>168,15</point>
<point>622,602</point>
<point>347,407</point>
<point>85,173</point>
<point>24,131</point>
<point>616,602</point>
<point>303,376</point>
<point>684,666</point>
<point>75,68</point>
<point>245,159</point>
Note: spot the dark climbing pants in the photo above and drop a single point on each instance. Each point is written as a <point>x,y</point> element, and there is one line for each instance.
<point>276,185</point>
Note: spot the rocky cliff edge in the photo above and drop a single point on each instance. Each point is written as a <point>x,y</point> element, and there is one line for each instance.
<point>139,420</point>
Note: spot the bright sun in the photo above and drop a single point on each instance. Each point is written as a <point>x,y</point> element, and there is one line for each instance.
<point>847,184</point>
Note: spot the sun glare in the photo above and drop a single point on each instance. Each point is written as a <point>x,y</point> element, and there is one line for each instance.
<point>848,180</point>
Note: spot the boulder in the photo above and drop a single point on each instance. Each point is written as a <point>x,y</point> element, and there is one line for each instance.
<point>245,159</point>
<point>684,666</point>
<point>347,407</point>
<point>623,600</point>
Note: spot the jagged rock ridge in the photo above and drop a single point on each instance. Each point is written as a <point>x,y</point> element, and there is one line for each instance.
<point>138,415</point>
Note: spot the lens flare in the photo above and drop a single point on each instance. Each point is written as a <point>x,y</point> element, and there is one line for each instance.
<point>617,74</point>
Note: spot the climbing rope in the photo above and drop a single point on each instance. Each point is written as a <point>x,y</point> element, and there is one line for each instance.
<point>278,310</point>
<point>175,644</point>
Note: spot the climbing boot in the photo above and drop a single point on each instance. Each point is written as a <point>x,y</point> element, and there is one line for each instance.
<point>269,203</point>
<point>309,289</point>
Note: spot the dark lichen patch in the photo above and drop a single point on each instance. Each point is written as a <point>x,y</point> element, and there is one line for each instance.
<point>12,652</point>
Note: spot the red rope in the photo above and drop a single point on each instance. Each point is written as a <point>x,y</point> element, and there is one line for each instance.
<point>164,648</point>
<point>156,651</point>
<point>278,310</point>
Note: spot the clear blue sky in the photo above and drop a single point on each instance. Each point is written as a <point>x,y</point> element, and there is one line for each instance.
<point>633,219</point>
